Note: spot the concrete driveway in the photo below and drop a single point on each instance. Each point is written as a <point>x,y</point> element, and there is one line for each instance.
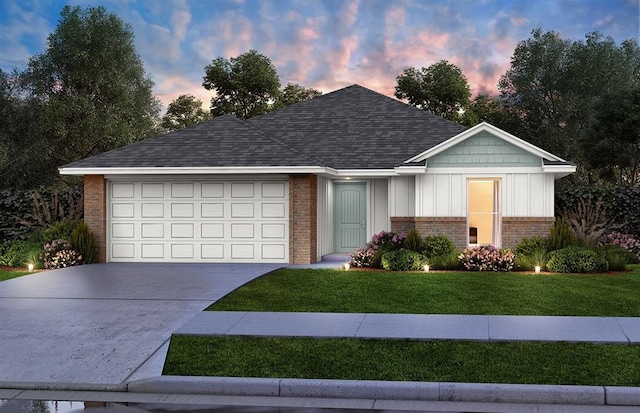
<point>102,323</point>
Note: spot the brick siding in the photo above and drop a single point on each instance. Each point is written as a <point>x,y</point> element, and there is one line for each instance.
<point>303,219</point>
<point>513,228</point>
<point>95,211</point>
<point>516,228</point>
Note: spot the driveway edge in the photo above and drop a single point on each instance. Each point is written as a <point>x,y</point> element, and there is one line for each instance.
<point>391,390</point>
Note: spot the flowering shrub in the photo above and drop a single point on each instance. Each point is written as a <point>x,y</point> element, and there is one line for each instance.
<point>387,239</point>
<point>486,258</point>
<point>59,254</point>
<point>627,242</point>
<point>362,257</point>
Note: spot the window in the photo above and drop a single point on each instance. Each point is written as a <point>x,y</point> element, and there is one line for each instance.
<point>483,212</point>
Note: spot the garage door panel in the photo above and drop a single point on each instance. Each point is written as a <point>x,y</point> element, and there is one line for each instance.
<point>211,221</point>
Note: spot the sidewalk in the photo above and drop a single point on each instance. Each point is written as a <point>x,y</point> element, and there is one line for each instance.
<point>614,330</point>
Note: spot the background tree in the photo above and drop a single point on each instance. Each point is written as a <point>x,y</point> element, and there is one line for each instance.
<point>93,88</point>
<point>490,109</point>
<point>294,93</point>
<point>554,86</point>
<point>183,112</point>
<point>245,86</point>
<point>440,89</point>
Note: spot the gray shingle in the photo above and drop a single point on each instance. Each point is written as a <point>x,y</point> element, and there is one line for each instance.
<point>351,128</point>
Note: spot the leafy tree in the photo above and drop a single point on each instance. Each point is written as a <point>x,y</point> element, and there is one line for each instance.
<point>440,89</point>
<point>245,85</point>
<point>613,144</point>
<point>493,110</point>
<point>93,87</point>
<point>183,112</point>
<point>554,85</point>
<point>294,93</point>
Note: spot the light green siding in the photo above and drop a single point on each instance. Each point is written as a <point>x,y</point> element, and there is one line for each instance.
<point>484,150</point>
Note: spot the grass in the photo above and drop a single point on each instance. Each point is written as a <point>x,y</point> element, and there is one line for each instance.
<point>405,360</point>
<point>607,295</point>
<point>7,274</point>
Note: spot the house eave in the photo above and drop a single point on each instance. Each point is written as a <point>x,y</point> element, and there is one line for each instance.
<point>559,171</point>
<point>198,171</point>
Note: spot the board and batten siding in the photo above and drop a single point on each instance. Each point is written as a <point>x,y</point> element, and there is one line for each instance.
<point>402,196</point>
<point>523,194</point>
<point>325,216</point>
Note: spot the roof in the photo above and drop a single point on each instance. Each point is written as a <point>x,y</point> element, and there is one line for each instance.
<point>351,128</point>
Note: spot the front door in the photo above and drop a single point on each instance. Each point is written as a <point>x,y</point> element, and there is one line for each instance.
<point>350,216</point>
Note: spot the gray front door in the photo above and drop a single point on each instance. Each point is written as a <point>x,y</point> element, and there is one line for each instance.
<point>350,216</point>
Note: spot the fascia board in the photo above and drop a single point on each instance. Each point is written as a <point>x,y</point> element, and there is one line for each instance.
<point>197,171</point>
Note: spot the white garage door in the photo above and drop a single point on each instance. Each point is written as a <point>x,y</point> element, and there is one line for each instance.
<point>199,221</point>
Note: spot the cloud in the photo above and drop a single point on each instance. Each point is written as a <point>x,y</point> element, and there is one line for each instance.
<point>23,33</point>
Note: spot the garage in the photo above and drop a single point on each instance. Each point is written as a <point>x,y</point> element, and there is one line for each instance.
<point>208,220</point>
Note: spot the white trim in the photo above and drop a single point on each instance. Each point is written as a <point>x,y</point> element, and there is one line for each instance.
<point>485,127</point>
<point>410,170</point>
<point>489,171</point>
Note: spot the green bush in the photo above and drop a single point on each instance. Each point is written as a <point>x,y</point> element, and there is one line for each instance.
<point>616,256</point>
<point>19,253</point>
<point>413,242</point>
<point>527,246</point>
<point>83,242</point>
<point>437,246</point>
<point>562,235</point>
<point>403,260</point>
<point>59,230</point>
<point>576,260</point>
<point>449,262</point>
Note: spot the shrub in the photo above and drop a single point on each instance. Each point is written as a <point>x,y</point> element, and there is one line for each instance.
<point>437,246</point>
<point>562,235</point>
<point>589,222</point>
<point>527,246</point>
<point>576,259</point>
<point>629,243</point>
<point>445,262</point>
<point>528,262</point>
<point>59,254</point>
<point>84,243</point>
<point>382,243</point>
<point>18,253</point>
<point>403,260</point>
<point>413,242</point>
<point>362,257</point>
<point>616,256</point>
<point>59,230</point>
<point>487,258</point>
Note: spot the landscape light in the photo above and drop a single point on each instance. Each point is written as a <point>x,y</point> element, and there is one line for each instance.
<point>30,267</point>
<point>347,266</point>
<point>537,269</point>
<point>426,268</point>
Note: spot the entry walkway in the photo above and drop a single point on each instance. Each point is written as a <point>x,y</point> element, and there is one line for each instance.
<point>615,330</point>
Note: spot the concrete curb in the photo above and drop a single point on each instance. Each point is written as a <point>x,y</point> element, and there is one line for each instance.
<point>89,387</point>
<point>391,390</point>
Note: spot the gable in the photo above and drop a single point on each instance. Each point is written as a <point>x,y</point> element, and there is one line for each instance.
<point>484,149</point>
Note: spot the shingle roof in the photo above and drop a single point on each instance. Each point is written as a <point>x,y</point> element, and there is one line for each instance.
<point>351,128</point>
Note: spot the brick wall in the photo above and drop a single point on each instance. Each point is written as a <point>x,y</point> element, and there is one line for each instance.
<point>95,211</point>
<point>453,227</point>
<point>513,228</point>
<point>516,228</point>
<point>303,219</point>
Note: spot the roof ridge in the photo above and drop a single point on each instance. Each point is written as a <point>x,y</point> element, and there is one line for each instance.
<point>247,124</point>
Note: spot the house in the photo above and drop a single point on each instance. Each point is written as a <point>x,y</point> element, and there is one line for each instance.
<point>315,178</point>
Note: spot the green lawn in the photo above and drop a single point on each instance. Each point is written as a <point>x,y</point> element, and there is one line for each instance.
<point>439,293</point>
<point>405,360</point>
<point>9,274</point>
<point>443,293</point>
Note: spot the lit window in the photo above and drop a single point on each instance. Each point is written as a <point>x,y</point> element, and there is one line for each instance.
<point>483,213</point>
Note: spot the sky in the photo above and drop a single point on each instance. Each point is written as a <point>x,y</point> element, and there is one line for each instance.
<point>323,44</point>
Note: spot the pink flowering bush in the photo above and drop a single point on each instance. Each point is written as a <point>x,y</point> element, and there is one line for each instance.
<point>627,242</point>
<point>59,254</point>
<point>362,257</point>
<point>486,258</point>
<point>387,239</point>
<point>371,254</point>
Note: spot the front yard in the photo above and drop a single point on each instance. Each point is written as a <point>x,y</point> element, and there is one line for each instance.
<point>444,293</point>
<point>9,273</point>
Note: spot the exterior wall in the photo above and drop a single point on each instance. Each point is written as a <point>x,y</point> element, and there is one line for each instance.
<point>95,211</point>
<point>325,216</point>
<point>453,227</point>
<point>516,228</point>
<point>378,206</point>
<point>443,193</point>
<point>303,219</point>
<point>402,196</point>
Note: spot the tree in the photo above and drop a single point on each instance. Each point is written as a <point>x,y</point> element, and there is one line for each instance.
<point>183,112</point>
<point>294,93</point>
<point>613,143</point>
<point>554,86</point>
<point>245,86</point>
<point>440,89</point>
<point>93,87</point>
<point>486,108</point>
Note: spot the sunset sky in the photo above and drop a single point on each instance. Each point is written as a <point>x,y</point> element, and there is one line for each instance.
<point>323,44</point>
